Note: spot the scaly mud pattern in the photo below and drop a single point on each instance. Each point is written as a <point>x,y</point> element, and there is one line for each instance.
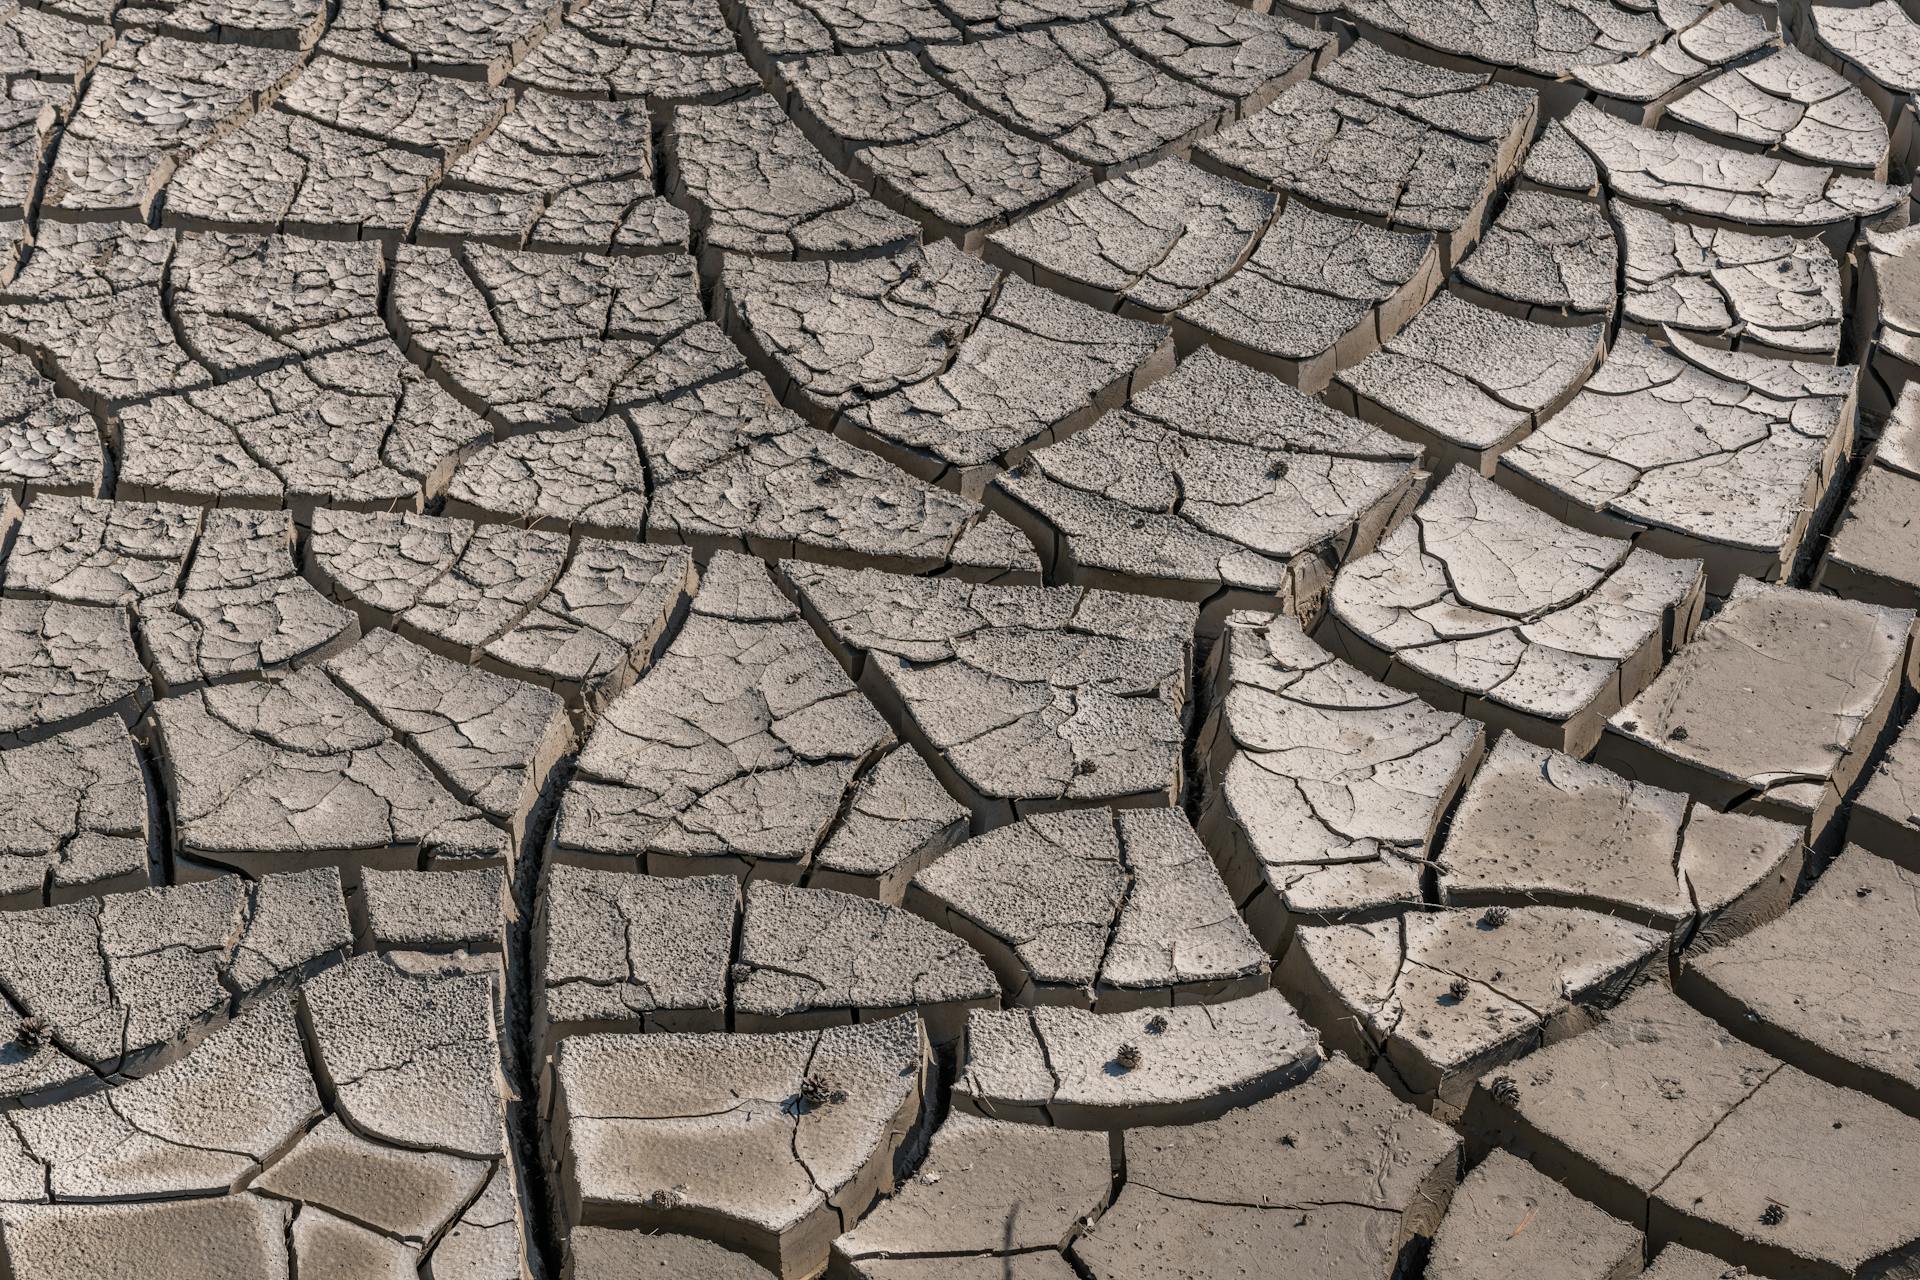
<point>959,639</point>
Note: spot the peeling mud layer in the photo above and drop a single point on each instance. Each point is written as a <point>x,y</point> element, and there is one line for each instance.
<point>959,639</point>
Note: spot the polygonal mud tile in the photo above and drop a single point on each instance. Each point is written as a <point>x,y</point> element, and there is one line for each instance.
<point>96,551</point>
<point>493,740</point>
<point>1872,553</point>
<point>1096,909</point>
<point>1279,1187</point>
<point>667,55</point>
<point>614,951</point>
<point>347,150</point>
<point>151,103</point>
<point>1431,999</point>
<point>1874,46</point>
<point>1789,104</point>
<point>1483,604</point>
<point>1396,142</point>
<point>51,46</point>
<point>817,957</point>
<point>733,753</point>
<point>48,444</point>
<point>1217,483</point>
<point>411,1060</point>
<point>1792,1125</point>
<point>986,1189</point>
<point>1246,56</point>
<point>1324,789</point>
<point>200,1126</point>
<point>87,305</point>
<point>904,318</point>
<point>407,1196</point>
<point>242,609</point>
<point>368,1208</point>
<point>731,469</point>
<point>619,952</point>
<point>777,29</point>
<point>1556,163</point>
<point>507,598</point>
<point>264,775</point>
<point>1886,315</point>
<point>1319,292</point>
<point>560,174</point>
<point>75,822</point>
<point>1546,258</point>
<point>1076,87</point>
<point>1659,1115</point>
<point>897,820</point>
<point>1542,43</point>
<point>1022,698</point>
<point>1770,295</point>
<point>1664,169</point>
<point>1146,243</point>
<point>766,1143</point>
<point>1465,382</point>
<point>491,1237</point>
<point>355,428</point>
<point>881,116</point>
<point>1641,89</point>
<point>1820,986</point>
<point>756,185</point>
<point>1539,828</point>
<point>434,114</point>
<point>247,304</point>
<point>274,24</point>
<point>602,1253</point>
<point>1475,106</point>
<point>133,980</point>
<point>586,480</point>
<point>64,665</point>
<point>1082,1070</point>
<point>449,579</point>
<point>436,913</point>
<point>318,405</point>
<point>982,369</point>
<point>432,35</point>
<point>542,340</point>
<point>1694,451</point>
<point>1771,709</point>
<point>1509,1219</point>
<point>285,171</point>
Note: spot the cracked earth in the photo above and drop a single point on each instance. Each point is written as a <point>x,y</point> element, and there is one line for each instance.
<point>959,639</point>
